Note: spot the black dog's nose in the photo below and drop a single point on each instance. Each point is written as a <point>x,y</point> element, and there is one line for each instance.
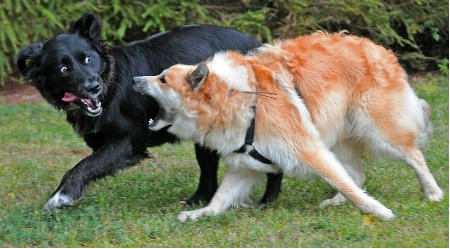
<point>92,87</point>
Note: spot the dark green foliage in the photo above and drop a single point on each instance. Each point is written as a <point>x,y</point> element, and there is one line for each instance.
<point>417,30</point>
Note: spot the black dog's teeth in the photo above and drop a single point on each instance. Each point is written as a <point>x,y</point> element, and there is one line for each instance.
<point>87,102</point>
<point>92,105</point>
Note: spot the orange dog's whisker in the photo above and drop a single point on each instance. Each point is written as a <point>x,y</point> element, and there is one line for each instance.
<point>263,94</point>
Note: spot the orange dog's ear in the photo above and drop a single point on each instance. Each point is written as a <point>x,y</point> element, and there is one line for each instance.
<point>198,76</point>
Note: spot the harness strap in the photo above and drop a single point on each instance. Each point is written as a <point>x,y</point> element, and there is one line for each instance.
<point>249,137</point>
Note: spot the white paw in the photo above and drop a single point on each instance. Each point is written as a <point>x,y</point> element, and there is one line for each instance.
<point>244,204</point>
<point>384,214</point>
<point>192,215</point>
<point>372,206</point>
<point>338,199</point>
<point>58,200</point>
<point>435,194</point>
<point>195,214</point>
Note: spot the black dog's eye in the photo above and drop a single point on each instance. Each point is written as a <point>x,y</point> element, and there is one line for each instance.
<point>64,69</point>
<point>162,79</point>
<point>87,60</point>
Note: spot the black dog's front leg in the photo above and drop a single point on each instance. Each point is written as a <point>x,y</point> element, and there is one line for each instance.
<point>102,162</point>
<point>208,161</point>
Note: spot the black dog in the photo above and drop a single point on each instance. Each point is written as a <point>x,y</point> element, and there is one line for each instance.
<point>76,72</point>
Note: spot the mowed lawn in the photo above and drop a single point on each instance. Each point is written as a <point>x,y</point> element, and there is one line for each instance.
<point>139,206</point>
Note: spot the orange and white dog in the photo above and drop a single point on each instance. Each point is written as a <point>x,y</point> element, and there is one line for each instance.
<point>316,103</point>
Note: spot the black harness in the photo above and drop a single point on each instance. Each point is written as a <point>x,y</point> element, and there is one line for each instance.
<point>249,136</point>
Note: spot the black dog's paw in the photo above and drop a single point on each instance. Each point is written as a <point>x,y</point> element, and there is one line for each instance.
<point>269,197</point>
<point>200,198</point>
<point>58,201</point>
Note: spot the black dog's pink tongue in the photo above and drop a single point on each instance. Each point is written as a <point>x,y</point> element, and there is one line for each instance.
<point>69,97</point>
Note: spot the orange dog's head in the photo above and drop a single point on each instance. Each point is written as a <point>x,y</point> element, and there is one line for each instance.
<point>205,94</point>
<point>168,89</point>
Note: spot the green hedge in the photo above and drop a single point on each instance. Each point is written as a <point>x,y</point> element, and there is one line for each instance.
<point>417,30</point>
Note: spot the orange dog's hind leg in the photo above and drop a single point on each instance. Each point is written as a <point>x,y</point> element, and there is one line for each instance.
<point>415,159</point>
<point>407,124</point>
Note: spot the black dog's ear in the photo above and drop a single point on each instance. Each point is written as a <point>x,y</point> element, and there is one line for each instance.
<point>27,57</point>
<point>198,76</point>
<point>87,26</point>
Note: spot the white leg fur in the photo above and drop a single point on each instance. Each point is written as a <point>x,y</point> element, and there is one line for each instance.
<point>350,157</point>
<point>336,200</point>
<point>429,186</point>
<point>234,190</point>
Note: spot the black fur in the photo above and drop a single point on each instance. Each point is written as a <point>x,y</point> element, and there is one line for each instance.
<point>118,134</point>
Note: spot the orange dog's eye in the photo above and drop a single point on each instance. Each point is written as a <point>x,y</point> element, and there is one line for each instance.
<point>162,79</point>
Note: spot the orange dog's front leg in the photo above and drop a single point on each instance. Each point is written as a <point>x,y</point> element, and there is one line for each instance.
<point>234,190</point>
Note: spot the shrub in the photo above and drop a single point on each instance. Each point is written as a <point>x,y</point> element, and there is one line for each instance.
<point>417,29</point>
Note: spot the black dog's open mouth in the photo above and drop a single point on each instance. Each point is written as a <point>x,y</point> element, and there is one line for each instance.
<point>91,107</point>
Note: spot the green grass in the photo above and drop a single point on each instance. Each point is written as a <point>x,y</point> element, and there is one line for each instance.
<point>138,207</point>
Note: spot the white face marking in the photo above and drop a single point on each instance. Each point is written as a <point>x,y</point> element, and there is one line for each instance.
<point>234,75</point>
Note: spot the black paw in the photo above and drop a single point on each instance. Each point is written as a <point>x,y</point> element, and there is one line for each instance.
<point>200,198</point>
